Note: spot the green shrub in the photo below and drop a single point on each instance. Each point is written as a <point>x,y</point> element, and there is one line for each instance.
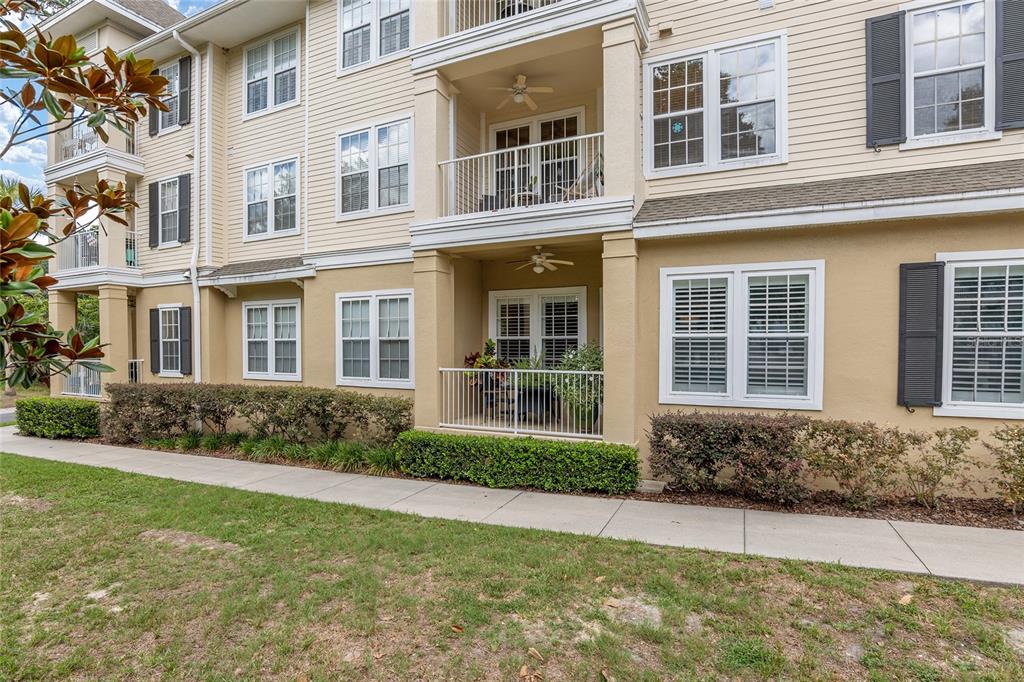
<point>271,447</point>
<point>380,461</point>
<point>58,417</point>
<point>941,460</point>
<point>295,452</point>
<point>233,439</point>
<point>161,443</point>
<point>559,466</point>
<point>190,440</point>
<point>1009,452</point>
<point>248,446</point>
<point>212,442</point>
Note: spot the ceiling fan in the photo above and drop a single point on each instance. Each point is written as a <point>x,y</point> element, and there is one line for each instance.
<point>540,261</point>
<point>520,93</point>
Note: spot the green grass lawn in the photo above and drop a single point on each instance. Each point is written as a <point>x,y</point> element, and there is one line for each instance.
<point>107,575</point>
<point>36,391</point>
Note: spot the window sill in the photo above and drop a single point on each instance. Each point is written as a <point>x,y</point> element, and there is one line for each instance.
<point>375,383</point>
<point>738,164</point>
<point>380,61</point>
<point>168,245</point>
<point>171,375</point>
<point>774,403</point>
<point>272,377</point>
<point>390,210</point>
<point>951,138</point>
<point>269,235</point>
<point>272,110</point>
<point>979,411</point>
<point>168,131</point>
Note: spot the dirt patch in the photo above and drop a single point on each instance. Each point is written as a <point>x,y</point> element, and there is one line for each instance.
<point>1015,639</point>
<point>184,539</point>
<point>29,503</point>
<point>632,610</point>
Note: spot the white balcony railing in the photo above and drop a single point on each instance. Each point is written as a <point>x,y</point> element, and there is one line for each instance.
<point>82,380</point>
<point>467,14</point>
<point>135,371</point>
<point>131,248</point>
<point>77,142</point>
<point>527,401</point>
<point>80,250</point>
<point>557,172</point>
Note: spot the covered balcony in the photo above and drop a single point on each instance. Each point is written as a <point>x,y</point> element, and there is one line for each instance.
<point>94,247</point>
<point>77,150</point>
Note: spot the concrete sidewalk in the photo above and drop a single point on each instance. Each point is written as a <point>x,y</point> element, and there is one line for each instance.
<point>949,551</point>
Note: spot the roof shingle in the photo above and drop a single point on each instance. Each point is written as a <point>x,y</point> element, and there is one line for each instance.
<point>257,267</point>
<point>157,11</point>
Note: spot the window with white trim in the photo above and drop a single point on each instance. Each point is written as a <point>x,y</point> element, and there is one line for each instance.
<point>168,197</point>
<point>716,108</point>
<point>743,335</point>
<point>272,334</point>
<point>271,199</point>
<point>172,72</point>
<point>985,357</point>
<point>949,61</point>
<point>373,168</point>
<point>272,73</point>
<point>170,340</point>
<point>374,343</point>
<point>371,29</point>
<point>538,323</point>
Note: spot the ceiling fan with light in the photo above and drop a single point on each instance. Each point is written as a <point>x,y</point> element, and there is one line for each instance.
<point>540,261</point>
<point>520,93</point>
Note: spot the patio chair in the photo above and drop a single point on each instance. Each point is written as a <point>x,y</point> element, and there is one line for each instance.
<point>588,185</point>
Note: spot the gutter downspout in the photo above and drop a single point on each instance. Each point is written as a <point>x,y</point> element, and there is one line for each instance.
<point>208,153</point>
<point>193,273</point>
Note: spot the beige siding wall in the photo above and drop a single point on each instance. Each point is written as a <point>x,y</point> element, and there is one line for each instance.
<point>827,105</point>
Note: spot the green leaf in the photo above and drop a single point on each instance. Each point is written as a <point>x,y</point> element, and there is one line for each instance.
<point>52,105</point>
<point>13,288</point>
<point>97,119</point>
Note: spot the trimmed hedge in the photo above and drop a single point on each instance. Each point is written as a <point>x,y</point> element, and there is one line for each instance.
<point>299,414</point>
<point>58,417</point>
<point>499,462</point>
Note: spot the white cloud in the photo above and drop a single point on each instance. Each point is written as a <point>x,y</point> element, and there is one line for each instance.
<point>33,182</point>
<point>33,151</point>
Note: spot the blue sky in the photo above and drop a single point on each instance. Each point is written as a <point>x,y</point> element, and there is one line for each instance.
<point>26,161</point>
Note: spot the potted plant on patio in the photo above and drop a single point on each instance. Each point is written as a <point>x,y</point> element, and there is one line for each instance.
<point>493,385</point>
<point>581,393</point>
<point>536,390</point>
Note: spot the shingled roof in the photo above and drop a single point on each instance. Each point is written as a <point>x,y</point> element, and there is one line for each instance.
<point>902,185</point>
<point>257,266</point>
<point>157,11</point>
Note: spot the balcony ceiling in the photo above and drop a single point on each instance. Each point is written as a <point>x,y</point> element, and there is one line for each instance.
<point>578,248</point>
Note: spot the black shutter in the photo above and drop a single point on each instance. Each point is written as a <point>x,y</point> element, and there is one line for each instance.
<point>154,215</point>
<point>886,83</point>
<point>184,207</point>
<point>921,313</point>
<point>1009,64</point>
<point>154,340</point>
<point>184,90</point>
<point>185,334</point>
<point>154,116</point>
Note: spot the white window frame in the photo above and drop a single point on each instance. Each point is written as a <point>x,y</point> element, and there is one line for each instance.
<point>374,380</point>
<point>161,244</point>
<point>373,180</point>
<point>375,57</point>
<point>536,312</point>
<point>949,407</point>
<point>988,131</point>
<point>736,395</point>
<point>176,307</point>
<point>270,374</point>
<point>712,109</point>
<point>269,42</point>
<point>270,233</point>
<point>161,129</point>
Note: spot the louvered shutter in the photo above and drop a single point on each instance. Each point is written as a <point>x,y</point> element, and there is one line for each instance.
<point>154,215</point>
<point>184,207</point>
<point>184,90</point>
<point>700,322</point>
<point>1009,64</point>
<point>886,82</point>
<point>185,334</point>
<point>920,349</point>
<point>778,334</point>
<point>154,116</point>
<point>154,340</point>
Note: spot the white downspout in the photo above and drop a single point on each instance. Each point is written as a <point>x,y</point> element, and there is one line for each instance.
<point>208,153</point>
<point>193,273</point>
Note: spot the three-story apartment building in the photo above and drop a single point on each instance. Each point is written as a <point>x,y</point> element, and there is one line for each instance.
<point>748,204</point>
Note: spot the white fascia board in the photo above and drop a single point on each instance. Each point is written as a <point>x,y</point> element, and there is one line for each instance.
<point>104,157</point>
<point>303,272</point>
<point>359,258</point>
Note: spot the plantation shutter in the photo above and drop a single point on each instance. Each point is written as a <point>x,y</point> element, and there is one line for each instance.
<point>920,347</point>
<point>700,325</point>
<point>1009,64</point>
<point>886,84</point>
<point>154,340</point>
<point>154,215</point>
<point>185,334</point>
<point>184,207</point>
<point>778,334</point>
<point>154,116</point>
<point>184,90</point>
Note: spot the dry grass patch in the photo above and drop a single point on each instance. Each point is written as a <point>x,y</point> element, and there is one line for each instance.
<point>26,503</point>
<point>188,540</point>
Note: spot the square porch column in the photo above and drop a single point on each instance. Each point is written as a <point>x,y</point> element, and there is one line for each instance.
<point>619,273</point>
<point>432,135</point>
<point>115,332</point>
<point>112,234</point>
<point>432,284</point>
<point>62,317</point>
<point>622,47</point>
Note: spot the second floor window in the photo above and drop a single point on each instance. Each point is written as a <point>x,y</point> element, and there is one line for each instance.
<point>271,73</point>
<point>374,168</point>
<point>169,211</point>
<point>270,199</point>
<point>372,29</point>
<point>172,72</point>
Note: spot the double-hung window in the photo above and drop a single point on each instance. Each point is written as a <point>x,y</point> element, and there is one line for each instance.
<point>272,73</point>
<point>743,335</point>
<point>717,108</point>
<point>373,168</point>
<point>270,199</point>
<point>532,324</point>
<point>172,72</point>
<point>271,332</point>
<point>371,29</point>
<point>374,344</point>
<point>170,340</point>
<point>983,366</point>
<point>168,196</point>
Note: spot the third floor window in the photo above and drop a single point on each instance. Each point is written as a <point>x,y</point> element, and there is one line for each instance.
<point>272,73</point>
<point>371,29</point>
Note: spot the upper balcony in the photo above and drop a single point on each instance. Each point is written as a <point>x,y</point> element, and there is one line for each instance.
<point>78,151</point>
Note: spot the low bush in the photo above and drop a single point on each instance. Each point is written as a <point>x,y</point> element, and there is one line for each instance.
<point>190,440</point>
<point>941,460</point>
<point>1009,453</point>
<point>498,462</point>
<point>298,414</point>
<point>58,417</point>
<point>690,450</point>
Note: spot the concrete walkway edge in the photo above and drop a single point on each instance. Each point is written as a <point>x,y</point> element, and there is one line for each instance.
<point>982,554</point>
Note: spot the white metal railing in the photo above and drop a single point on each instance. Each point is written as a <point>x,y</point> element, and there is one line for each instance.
<point>77,142</point>
<point>131,248</point>
<point>466,14</point>
<point>534,401</point>
<point>134,371</point>
<point>557,172</point>
<point>82,380</point>
<point>80,250</point>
